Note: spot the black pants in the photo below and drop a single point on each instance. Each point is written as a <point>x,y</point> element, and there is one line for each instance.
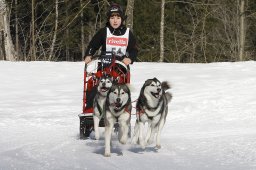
<point>90,97</point>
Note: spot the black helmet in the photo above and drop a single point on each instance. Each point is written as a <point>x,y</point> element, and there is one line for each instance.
<point>115,8</point>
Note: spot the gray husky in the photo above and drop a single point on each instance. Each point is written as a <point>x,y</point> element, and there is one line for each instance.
<point>104,85</point>
<point>118,110</point>
<point>151,107</point>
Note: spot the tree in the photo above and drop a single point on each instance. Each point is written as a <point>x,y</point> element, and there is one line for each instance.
<point>16,28</point>
<point>7,50</point>
<point>189,30</point>
<point>129,13</point>
<point>82,31</point>
<point>55,29</point>
<point>33,46</point>
<point>162,32</point>
<point>241,30</point>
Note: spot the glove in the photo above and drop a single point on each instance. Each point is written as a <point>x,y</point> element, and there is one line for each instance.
<point>127,61</point>
<point>88,59</point>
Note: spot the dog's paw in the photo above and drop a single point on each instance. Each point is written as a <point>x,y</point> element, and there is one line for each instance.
<point>158,146</point>
<point>149,142</point>
<point>123,141</point>
<point>135,141</point>
<point>97,137</point>
<point>107,154</point>
<point>142,145</point>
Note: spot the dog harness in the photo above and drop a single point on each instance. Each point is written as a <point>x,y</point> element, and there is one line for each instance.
<point>126,108</point>
<point>116,125</point>
<point>141,110</point>
<point>100,110</point>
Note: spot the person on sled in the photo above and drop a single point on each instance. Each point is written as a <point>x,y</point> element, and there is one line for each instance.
<point>114,37</point>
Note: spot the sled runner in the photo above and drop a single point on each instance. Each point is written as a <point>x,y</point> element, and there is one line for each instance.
<point>106,63</point>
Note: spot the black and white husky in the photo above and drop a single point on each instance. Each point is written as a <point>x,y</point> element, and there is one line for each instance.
<point>104,85</point>
<point>151,107</point>
<point>118,110</point>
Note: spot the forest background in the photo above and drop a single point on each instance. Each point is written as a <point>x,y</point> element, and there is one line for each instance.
<point>182,31</point>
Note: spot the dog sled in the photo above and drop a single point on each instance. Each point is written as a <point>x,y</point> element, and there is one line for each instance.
<point>107,63</point>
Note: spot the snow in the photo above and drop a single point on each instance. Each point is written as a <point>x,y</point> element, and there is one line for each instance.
<point>211,122</point>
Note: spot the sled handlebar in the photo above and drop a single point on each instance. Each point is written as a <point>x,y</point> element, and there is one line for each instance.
<point>115,57</point>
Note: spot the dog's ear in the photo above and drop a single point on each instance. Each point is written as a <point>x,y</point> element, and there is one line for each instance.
<point>130,87</point>
<point>155,79</point>
<point>147,82</point>
<point>116,80</point>
<point>104,73</point>
<point>112,88</point>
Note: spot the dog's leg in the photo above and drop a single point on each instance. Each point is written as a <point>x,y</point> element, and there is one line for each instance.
<point>149,131</point>
<point>153,128</point>
<point>141,137</point>
<point>108,132</point>
<point>124,127</point>
<point>135,138</point>
<point>152,135</point>
<point>158,135</point>
<point>96,121</point>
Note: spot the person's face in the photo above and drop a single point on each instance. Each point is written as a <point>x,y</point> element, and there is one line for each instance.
<point>115,21</point>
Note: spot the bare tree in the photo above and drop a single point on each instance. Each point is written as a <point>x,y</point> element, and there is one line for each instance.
<point>16,27</point>
<point>162,32</point>
<point>6,48</point>
<point>232,32</point>
<point>33,47</point>
<point>82,31</point>
<point>129,13</point>
<point>67,33</point>
<point>241,30</point>
<point>55,29</point>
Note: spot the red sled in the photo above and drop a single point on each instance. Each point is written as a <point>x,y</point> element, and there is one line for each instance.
<point>109,64</point>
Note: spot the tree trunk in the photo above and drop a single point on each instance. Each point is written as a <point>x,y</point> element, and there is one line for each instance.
<point>55,29</point>
<point>241,31</point>
<point>7,50</point>
<point>67,46</point>
<point>67,53</point>
<point>82,32</point>
<point>33,48</point>
<point>129,13</point>
<point>2,49</point>
<point>16,28</point>
<point>162,32</point>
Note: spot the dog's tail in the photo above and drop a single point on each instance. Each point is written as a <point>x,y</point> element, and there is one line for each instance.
<point>166,85</point>
<point>168,96</point>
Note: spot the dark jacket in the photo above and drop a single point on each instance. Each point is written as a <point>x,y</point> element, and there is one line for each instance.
<point>99,40</point>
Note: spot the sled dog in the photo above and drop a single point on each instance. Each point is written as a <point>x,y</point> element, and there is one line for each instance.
<point>151,107</point>
<point>118,110</point>
<point>105,83</point>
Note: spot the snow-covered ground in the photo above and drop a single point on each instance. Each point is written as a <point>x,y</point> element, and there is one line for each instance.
<point>211,122</point>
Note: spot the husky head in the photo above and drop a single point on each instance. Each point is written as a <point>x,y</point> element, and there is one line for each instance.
<point>119,96</point>
<point>152,87</point>
<point>105,84</point>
